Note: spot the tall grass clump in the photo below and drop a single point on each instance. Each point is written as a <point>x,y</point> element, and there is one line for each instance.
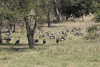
<point>92,32</point>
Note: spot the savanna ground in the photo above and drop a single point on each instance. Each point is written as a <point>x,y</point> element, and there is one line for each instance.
<point>75,51</point>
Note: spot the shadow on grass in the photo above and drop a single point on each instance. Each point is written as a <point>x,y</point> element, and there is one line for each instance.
<point>11,47</point>
<point>37,44</point>
<point>14,49</point>
<point>19,47</point>
<point>20,44</point>
<point>12,32</point>
<point>53,26</point>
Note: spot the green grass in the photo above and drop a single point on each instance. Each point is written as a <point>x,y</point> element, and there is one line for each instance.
<point>75,51</point>
<point>73,54</point>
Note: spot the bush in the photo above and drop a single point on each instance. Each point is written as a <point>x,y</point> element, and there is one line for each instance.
<point>93,33</point>
<point>91,29</point>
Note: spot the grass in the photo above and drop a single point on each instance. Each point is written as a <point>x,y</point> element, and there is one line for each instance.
<point>75,51</point>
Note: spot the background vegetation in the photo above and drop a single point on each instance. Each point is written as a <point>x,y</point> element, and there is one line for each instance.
<point>24,17</point>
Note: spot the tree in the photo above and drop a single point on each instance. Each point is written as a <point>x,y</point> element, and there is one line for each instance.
<point>51,6</point>
<point>1,19</point>
<point>96,11</point>
<point>55,10</point>
<point>9,13</point>
<point>96,1</point>
<point>48,12</point>
<point>76,8</point>
<point>38,13</point>
<point>22,8</point>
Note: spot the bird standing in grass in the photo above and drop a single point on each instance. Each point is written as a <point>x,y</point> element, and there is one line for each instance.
<point>35,40</point>
<point>62,38</point>
<point>17,42</point>
<point>44,41</point>
<point>7,39</point>
<point>57,40</point>
<point>72,31</point>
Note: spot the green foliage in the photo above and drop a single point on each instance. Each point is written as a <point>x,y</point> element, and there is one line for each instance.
<point>96,10</point>
<point>95,7</point>
<point>13,10</point>
<point>97,17</point>
<point>75,7</point>
<point>92,29</point>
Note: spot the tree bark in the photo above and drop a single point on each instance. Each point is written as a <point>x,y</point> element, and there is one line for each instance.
<point>56,15</point>
<point>0,39</point>
<point>56,12</point>
<point>58,18</point>
<point>14,29</point>
<point>48,18</point>
<point>11,27</point>
<point>0,32</point>
<point>82,18</point>
<point>30,39</point>
<point>29,33</point>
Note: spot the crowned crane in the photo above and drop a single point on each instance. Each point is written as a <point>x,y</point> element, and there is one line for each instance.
<point>80,29</point>
<point>7,39</point>
<point>43,35</point>
<point>17,42</point>
<point>67,30</point>
<point>72,31</point>
<point>35,40</point>
<point>44,41</point>
<point>57,40</point>
<point>52,37</point>
<point>77,33</point>
<point>62,38</point>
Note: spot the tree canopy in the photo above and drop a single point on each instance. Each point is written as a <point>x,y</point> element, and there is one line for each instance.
<point>96,11</point>
<point>75,7</point>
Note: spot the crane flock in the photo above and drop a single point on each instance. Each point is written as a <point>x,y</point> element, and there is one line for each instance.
<point>64,34</point>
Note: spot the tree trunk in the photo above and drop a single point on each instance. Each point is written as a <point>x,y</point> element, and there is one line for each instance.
<point>14,29</point>
<point>29,33</point>
<point>0,32</point>
<point>58,18</point>
<point>48,18</point>
<point>11,27</point>
<point>82,18</point>
<point>96,1</point>
<point>30,39</point>
<point>56,12</point>
<point>0,39</point>
<point>56,15</point>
